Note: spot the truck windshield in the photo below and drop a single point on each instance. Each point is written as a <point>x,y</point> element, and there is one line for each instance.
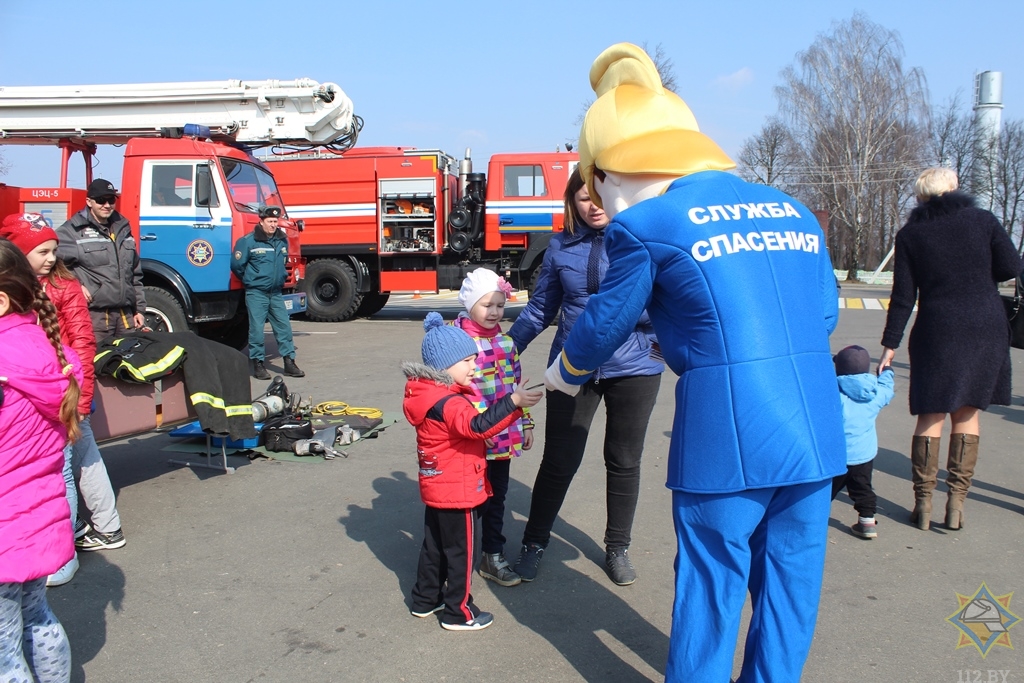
<point>250,186</point>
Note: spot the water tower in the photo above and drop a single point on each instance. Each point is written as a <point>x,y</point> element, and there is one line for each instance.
<point>988,113</point>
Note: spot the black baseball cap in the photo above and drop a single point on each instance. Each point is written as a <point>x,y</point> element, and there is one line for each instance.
<point>101,188</point>
<point>270,212</point>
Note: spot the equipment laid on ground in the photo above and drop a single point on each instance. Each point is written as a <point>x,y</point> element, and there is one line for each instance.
<point>265,407</point>
<point>280,433</point>
<point>323,443</point>
<point>189,185</point>
<point>274,401</point>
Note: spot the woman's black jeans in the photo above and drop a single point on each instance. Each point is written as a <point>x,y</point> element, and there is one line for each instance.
<point>628,402</point>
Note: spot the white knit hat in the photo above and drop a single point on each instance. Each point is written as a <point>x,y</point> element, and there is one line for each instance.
<point>479,284</point>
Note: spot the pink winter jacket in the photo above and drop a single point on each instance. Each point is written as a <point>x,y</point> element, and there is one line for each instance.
<point>35,528</point>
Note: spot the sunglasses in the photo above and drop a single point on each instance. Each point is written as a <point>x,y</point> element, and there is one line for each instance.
<point>105,200</point>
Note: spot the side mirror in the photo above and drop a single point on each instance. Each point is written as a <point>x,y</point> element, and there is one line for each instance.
<point>204,187</point>
<point>300,225</point>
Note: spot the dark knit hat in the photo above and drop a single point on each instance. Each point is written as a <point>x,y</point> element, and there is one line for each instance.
<point>853,360</point>
<point>27,231</point>
<point>444,345</point>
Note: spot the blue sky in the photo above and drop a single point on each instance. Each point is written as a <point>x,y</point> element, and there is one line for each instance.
<point>494,76</point>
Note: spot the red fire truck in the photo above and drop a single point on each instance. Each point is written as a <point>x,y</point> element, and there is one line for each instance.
<point>190,186</point>
<point>396,219</point>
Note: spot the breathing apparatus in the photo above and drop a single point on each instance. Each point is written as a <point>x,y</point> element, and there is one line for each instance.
<point>272,401</point>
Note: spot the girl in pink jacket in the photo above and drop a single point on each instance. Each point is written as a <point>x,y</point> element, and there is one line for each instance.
<point>39,381</point>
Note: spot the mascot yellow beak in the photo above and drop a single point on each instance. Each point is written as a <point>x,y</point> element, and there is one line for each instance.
<point>636,126</point>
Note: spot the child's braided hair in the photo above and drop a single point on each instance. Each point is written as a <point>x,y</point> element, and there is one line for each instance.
<point>22,287</point>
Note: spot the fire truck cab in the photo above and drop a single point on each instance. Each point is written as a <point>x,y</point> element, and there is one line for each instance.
<point>187,201</point>
<point>380,220</point>
<point>190,190</point>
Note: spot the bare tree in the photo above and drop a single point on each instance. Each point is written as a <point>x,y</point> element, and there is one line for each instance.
<point>953,139</point>
<point>862,121</point>
<point>666,69</point>
<point>991,169</point>
<point>895,193</point>
<point>982,176</point>
<point>4,165</point>
<point>1008,188</point>
<point>772,157</point>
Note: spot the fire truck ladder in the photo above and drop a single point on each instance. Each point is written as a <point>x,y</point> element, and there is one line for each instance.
<point>252,113</point>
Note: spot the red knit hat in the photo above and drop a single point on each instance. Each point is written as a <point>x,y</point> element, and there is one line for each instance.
<point>27,231</point>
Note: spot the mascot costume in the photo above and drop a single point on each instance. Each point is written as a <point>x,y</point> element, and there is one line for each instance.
<point>739,285</point>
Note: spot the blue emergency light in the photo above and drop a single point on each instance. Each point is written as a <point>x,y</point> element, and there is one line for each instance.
<point>194,130</point>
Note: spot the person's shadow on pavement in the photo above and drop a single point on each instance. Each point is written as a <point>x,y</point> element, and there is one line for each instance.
<point>565,606</point>
<point>392,527</point>
<point>898,465</point>
<point>81,607</point>
<point>572,610</point>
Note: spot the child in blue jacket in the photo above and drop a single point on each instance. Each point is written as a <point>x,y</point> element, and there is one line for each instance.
<point>863,396</point>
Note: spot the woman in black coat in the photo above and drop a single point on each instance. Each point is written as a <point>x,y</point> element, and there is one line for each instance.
<point>950,257</point>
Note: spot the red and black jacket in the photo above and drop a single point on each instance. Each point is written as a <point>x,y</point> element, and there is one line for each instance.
<point>450,435</point>
<point>75,331</point>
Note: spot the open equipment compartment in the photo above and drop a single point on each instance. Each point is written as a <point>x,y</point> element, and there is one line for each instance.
<point>408,216</point>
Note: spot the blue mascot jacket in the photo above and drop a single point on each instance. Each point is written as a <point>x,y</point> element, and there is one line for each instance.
<point>562,291</point>
<point>740,288</point>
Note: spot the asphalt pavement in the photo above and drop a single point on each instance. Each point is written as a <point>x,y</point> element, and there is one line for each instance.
<point>301,571</point>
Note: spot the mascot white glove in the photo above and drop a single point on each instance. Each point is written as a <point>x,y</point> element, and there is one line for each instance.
<point>553,380</point>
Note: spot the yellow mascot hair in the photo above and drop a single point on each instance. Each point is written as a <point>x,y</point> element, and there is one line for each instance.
<point>636,126</point>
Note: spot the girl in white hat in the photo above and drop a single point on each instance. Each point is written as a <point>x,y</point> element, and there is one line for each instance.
<point>483,295</point>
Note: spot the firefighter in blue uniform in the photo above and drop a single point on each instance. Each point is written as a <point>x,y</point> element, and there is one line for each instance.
<point>740,288</point>
<point>259,262</point>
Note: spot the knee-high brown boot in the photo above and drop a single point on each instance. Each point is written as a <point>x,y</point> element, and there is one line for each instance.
<point>963,457</point>
<point>924,461</point>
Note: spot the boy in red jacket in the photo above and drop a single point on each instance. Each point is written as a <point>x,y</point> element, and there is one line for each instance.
<point>450,435</point>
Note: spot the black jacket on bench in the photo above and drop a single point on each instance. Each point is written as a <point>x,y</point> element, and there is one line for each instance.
<point>216,376</point>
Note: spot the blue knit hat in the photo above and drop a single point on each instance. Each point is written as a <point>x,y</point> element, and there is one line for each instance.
<point>444,345</point>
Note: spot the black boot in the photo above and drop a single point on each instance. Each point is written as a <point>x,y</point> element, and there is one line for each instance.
<point>259,371</point>
<point>291,369</point>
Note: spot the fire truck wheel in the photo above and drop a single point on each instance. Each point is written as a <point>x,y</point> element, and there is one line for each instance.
<point>163,312</point>
<point>372,303</point>
<point>235,332</point>
<point>331,294</point>
<point>534,276</point>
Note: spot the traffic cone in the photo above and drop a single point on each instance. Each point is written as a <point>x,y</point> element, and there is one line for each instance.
<point>416,294</point>
<point>512,297</point>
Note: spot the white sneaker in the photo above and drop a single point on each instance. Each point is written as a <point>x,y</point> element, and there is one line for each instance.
<point>64,574</point>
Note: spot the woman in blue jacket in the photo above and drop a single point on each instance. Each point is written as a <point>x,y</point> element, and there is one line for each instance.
<point>574,265</point>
